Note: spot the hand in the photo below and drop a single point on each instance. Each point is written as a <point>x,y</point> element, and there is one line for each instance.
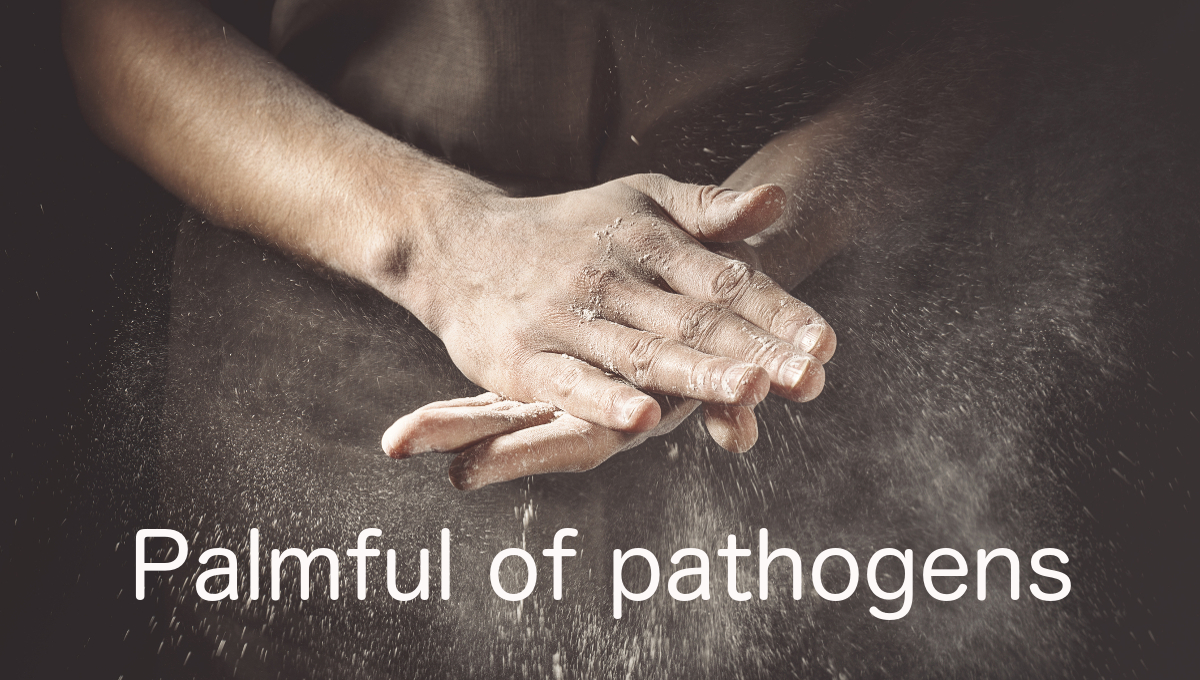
<point>501,439</point>
<point>580,299</point>
<point>614,276</point>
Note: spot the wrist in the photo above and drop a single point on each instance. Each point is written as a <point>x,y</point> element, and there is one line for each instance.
<point>415,226</point>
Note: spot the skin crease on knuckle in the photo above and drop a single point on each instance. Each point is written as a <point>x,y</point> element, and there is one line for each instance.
<point>565,382</point>
<point>772,354</point>
<point>702,201</point>
<point>643,357</point>
<point>786,319</point>
<point>705,374</point>
<point>730,283</point>
<point>612,403</point>
<point>698,324</point>
<point>653,246</point>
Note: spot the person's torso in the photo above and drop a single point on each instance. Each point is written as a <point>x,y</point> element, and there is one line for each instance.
<point>559,91</point>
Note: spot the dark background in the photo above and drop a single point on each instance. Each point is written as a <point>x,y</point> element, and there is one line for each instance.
<point>86,265</point>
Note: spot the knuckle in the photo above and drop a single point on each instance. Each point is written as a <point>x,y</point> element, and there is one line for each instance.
<point>650,184</point>
<point>730,282</point>
<point>597,281</point>
<point>658,242</point>
<point>699,323</point>
<point>769,353</point>
<point>655,180</point>
<point>643,356</point>
<point>784,317</point>
<point>567,381</point>
<point>612,402</point>
<point>704,375</point>
<point>705,195</point>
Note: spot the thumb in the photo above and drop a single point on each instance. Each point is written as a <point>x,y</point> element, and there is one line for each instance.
<point>714,214</point>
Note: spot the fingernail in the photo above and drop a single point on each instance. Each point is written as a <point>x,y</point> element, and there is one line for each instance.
<point>793,372</point>
<point>809,336</point>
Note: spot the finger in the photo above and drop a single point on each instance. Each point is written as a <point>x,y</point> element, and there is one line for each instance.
<point>453,425</point>
<point>478,400</point>
<point>704,275</point>
<point>658,364</point>
<point>711,213</point>
<point>585,391</point>
<point>567,444</point>
<point>715,330</point>
<point>739,250</point>
<point>734,428</point>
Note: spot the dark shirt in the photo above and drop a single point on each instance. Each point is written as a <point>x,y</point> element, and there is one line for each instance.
<point>561,91</point>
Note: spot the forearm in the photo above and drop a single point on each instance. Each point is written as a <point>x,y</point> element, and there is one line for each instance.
<point>539,299</point>
<point>890,141</point>
<point>220,124</point>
